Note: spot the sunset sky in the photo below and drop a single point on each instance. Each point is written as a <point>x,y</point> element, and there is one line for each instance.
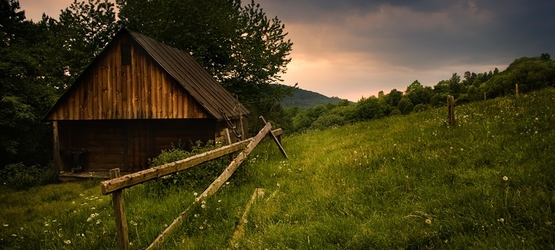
<point>352,49</point>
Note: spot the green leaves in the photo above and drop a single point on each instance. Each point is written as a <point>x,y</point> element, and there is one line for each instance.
<point>85,29</point>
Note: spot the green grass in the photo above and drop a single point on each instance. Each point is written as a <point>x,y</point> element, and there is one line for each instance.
<point>404,182</point>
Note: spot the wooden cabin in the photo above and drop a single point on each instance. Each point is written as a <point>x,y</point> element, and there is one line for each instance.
<point>138,97</point>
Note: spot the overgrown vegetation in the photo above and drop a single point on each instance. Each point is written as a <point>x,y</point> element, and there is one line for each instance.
<point>530,73</point>
<point>409,182</point>
<point>196,178</point>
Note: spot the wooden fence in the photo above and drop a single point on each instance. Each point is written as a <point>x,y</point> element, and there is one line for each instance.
<point>117,184</point>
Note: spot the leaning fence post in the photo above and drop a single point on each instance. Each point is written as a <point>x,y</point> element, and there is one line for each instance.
<point>278,142</point>
<point>119,213</point>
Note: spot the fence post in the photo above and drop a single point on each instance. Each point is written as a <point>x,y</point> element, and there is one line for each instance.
<point>119,213</point>
<point>451,109</point>
<point>516,90</point>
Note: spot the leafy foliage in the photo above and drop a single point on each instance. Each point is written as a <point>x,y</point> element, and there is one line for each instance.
<point>198,177</point>
<point>24,97</point>
<point>85,29</point>
<point>20,177</point>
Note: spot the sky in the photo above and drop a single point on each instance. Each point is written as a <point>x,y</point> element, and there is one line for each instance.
<point>355,48</point>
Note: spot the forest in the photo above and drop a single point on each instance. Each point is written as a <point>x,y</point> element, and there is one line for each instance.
<point>40,60</point>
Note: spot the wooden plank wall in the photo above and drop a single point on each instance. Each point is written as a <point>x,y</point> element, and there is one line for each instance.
<point>128,144</point>
<point>141,90</point>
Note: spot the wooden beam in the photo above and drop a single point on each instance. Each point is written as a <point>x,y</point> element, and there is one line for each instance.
<point>227,136</point>
<point>119,213</point>
<point>214,187</point>
<point>58,163</point>
<point>235,163</point>
<point>169,168</point>
<point>278,143</point>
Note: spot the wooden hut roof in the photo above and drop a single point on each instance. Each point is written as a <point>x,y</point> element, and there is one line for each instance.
<point>193,77</point>
<point>181,66</point>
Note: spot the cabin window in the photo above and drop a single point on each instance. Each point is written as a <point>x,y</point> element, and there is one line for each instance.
<point>125,54</point>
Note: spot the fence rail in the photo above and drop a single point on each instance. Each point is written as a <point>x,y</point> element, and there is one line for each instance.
<point>116,185</point>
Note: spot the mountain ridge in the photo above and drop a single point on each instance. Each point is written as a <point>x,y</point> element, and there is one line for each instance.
<point>307,98</point>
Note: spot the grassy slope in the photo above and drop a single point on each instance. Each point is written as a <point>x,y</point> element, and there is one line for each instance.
<point>399,182</point>
<point>413,182</point>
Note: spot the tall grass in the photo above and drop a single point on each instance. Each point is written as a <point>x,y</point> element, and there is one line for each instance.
<point>408,182</point>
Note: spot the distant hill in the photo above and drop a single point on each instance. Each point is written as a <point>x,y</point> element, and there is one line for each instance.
<point>306,99</point>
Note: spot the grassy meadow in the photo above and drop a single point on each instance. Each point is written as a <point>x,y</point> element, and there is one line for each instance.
<point>402,182</point>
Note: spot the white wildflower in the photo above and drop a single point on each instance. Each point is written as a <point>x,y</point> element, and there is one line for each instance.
<point>505,178</point>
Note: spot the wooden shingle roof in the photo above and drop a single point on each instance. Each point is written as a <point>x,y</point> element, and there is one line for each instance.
<point>208,92</point>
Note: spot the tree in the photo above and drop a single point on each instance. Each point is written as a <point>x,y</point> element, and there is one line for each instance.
<point>405,105</point>
<point>369,108</point>
<point>24,98</point>
<point>394,97</point>
<point>237,44</point>
<point>455,86</point>
<point>418,94</point>
<point>83,30</point>
<point>469,78</point>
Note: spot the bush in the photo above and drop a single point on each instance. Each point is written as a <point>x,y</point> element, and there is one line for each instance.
<point>405,105</point>
<point>369,108</point>
<point>20,177</point>
<point>395,112</point>
<point>328,120</point>
<point>199,176</point>
<point>421,107</point>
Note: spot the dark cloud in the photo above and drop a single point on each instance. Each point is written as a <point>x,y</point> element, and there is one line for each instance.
<point>419,38</point>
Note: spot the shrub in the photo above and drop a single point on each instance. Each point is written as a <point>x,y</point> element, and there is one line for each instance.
<point>405,105</point>
<point>328,120</point>
<point>198,176</point>
<point>369,108</point>
<point>395,112</point>
<point>20,177</point>
<point>421,107</point>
